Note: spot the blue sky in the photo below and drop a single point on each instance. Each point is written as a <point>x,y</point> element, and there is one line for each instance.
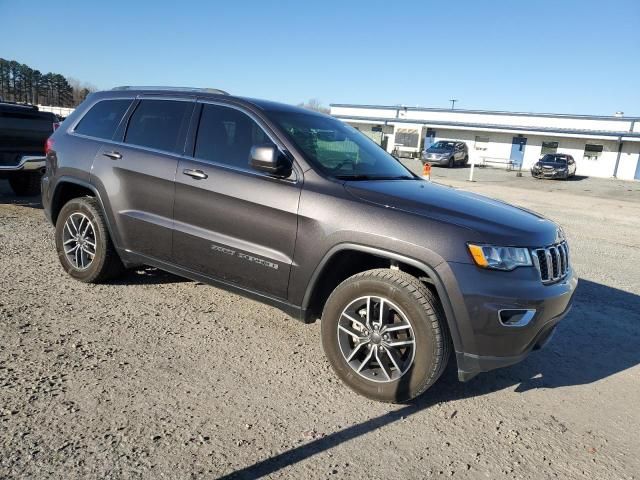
<point>540,56</point>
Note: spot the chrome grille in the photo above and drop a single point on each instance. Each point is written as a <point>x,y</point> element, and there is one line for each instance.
<point>552,262</point>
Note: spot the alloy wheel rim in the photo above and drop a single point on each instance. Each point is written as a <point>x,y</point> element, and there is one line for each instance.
<point>79,240</point>
<point>376,339</point>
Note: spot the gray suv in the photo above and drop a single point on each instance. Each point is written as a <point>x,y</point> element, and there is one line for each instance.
<point>447,153</point>
<point>301,211</point>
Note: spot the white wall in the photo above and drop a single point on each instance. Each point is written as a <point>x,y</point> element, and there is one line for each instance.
<point>629,160</point>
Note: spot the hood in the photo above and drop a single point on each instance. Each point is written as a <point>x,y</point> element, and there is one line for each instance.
<point>552,164</point>
<point>496,222</point>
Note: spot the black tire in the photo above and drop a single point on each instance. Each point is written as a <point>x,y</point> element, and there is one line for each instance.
<point>25,183</point>
<point>423,312</point>
<point>466,161</point>
<point>106,263</point>
<point>452,162</point>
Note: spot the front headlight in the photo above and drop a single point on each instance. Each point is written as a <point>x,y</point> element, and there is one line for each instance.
<point>500,258</point>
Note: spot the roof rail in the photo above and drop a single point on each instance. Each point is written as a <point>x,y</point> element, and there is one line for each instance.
<point>173,89</point>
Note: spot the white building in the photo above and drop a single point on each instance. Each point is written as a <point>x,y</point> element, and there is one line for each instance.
<point>602,146</point>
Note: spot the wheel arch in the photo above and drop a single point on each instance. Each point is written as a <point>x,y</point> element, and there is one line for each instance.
<point>68,188</point>
<point>315,297</point>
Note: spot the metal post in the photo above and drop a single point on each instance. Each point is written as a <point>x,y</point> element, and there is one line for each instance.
<point>473,164</point>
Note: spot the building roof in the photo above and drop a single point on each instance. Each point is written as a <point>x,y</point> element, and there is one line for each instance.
<point>486,112</point>
<point>497,127</point>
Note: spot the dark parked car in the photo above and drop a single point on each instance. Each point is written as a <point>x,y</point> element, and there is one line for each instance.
<point>554,165</point>
<point>446,153</point>
<point>23,132</point>
<point>299,210</point>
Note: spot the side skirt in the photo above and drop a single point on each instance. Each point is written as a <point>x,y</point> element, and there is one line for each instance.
<point>293,311</point>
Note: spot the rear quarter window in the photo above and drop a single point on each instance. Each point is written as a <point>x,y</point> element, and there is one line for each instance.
<point>103,118</point>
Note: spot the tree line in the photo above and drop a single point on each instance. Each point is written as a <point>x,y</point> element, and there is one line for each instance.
<point>21,83</point>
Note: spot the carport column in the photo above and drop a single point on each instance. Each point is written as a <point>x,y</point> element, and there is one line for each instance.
<point>615,169</point>
<point>391,140</point>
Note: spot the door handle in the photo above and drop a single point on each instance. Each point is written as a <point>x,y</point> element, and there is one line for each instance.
<point>112,155</point>
<point>197,174</point>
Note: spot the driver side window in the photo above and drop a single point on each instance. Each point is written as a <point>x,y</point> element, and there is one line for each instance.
<point>225,136</point>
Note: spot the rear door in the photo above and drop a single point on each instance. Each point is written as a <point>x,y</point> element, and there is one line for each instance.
<point>231,222</point>
<point>137,171</point>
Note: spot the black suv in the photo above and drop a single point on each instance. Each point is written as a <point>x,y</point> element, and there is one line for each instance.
<point>554,165</point>
<point>299,210</point>
<point>446,153</point>
<point>23,133</point>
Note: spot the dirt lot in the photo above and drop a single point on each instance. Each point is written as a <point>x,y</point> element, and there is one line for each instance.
<point>158,377</point>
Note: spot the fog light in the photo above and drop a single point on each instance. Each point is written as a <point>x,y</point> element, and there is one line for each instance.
<point>515,317</point>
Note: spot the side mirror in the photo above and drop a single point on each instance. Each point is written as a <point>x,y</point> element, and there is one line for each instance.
<point>269,159</point>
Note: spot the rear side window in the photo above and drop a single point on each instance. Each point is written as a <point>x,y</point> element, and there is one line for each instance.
<point>103,118</point>
<point>157,124</point>
<point>226,135</point>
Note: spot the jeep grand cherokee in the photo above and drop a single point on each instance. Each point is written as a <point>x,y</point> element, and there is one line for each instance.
<point>299,210</point>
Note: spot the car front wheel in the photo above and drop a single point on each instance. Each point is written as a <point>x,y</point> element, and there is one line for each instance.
<point>384,333</point>
<point>83,244</point>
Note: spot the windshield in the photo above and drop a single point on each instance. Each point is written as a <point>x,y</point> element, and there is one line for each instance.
<point>554,159</point>
<point>442,146</point>
<point>339,150</point>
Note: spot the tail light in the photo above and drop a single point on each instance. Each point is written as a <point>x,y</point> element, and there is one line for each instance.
<point>48,146</point>
<point>56,125</point>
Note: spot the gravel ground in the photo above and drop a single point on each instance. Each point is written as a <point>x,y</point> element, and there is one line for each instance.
<point>158,377</point>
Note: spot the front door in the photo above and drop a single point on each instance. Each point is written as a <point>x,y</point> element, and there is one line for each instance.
<point>517,150</point>
<point>231,222</point>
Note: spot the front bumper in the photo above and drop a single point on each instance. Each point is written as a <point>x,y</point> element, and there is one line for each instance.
<point>26,163</point>
<point>549,173</point>
<point>435,161</point>
<point>485,342</point>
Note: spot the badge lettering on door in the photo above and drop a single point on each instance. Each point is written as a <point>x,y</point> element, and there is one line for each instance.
<point>244,256</point>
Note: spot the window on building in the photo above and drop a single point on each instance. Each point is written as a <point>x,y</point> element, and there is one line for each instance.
<point>157,124</point>
<point>226,135</point>
<point>592,152</point>
<point>103,118</point>
<point>549,147</point>
<point>407,138</point>
<point>481,143</point>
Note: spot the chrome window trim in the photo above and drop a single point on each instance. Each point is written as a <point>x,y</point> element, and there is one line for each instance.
<point>295,171</point>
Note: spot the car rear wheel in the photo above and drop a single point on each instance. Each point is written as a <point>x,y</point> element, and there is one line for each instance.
<point>25,183</point>
<point>384,333</point>
<point>82,239</point>
<point>452,162</point>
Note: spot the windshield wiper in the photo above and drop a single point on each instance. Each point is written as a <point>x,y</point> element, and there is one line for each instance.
<point>370,177</point>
